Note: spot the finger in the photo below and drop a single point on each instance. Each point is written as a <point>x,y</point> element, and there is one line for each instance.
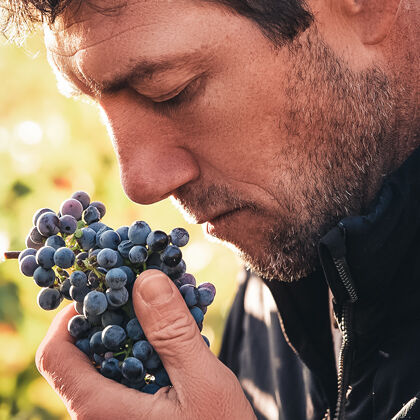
<point>173,332</point>
<point>72,375</point>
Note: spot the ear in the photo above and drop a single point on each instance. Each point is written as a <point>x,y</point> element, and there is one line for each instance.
<point>371,19</point>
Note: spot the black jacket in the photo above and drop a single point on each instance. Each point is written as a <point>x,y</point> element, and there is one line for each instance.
<point>278,337</point>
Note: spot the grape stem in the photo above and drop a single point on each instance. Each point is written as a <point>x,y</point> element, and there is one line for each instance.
<point>11,255</point>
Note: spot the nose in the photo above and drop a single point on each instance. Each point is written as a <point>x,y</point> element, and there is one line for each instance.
<point>151,152</point>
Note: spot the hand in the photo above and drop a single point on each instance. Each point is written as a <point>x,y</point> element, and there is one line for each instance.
<point>203,388</point>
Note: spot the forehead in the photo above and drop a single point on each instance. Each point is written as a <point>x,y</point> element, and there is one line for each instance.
<point>85,39</point>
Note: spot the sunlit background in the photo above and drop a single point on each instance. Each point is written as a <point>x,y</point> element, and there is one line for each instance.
<point>51,146</point>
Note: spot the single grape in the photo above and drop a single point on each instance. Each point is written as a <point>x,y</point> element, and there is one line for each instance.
<point>78,306</point>
<point>171,256</point>
<point>116,278</point>
<point>113,336</point>
<point>153,261</point>
<point>123,232</point>
<point>25,253</point>
<point>112,318</point>
<point>208,285</point>
<point>49,299</point>
<point>131,277</point>
<point>179,237</point>
<point>124,248</point>
<point>96,226</point>
<point>81,257</point>
<point>138,232</point>
<point>28,265</point>
<point>84,346</point>
<point>132,369</point>
<point>190,294</point>
<point>107,258</point>
<point>47,224</point>
<point>100,206</point>
<point>162,377</point>
<point>78,293</point>
<point>96,344</point>
<point>82,197</point>
<point>153,362</point>
<point>175,272</point>
<point>72,207</point>
<point>137,254</point>
<point>55,241</point>
<point>157,241</point>
<point>205,296</point>
<point>67,224</point>
<point>64,257</point>
<point>197,314</point>
<point>78,326</point>
<point>110,369</point>
<point>78,278</point>
<point>134,329</point>
<point>186,278</point>
<point>95,303</point>
<point>102,230</point>
<point>65,289</point>
<point>30,243</point>
<point>91,215</point>
<point>36,237</point>
<point>45,257</point>
<point>44,277</point>
<point>109,239</point>
<point>38,214</point>
<point>142,350</point>
<point>117,298</point>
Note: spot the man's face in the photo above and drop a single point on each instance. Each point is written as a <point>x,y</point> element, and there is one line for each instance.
<point>269,147</point>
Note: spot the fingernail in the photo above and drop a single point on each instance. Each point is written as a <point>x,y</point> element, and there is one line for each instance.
<point>155,289</point>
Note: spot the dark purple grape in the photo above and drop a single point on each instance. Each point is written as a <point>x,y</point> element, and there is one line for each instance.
<point>67,224</point>
<point>153,261</point>
<point>171,256</point>
<point>109,239</point>
<point>31,244</point>
<point>205,296</point>
<point>49,299</point>
<point>38,214</point>
<point>103,229</point>
<point>179,237</point>
<point>78,306</point>
<point>138,232</point>
<point>98,359</point>
<point>132,369</point>
<point>25,253</point>
<point>95,303</point>
<point>100,206</point>
<point>110,369</point>
<point>124,248</point>
<point>78,279</point>
<point>197,314</point>
<point>28,265</point>
<point>112,318</point>
<point>72,207</point>
<point>107,258</point>
<point>96,226</point>
<point>123,232</point>
<point>137,254</point>
<point>78,293</point>
<point>55,241</point>
<point>65,289</point>
<point>83,197</point>
<point>142,350</point>
<point>81,257</point>
<point>45,257</point>
<point>117,298</point>
<point>162,377</point>
<point>131,277</point>
<point>153,362</point>
<point>157,241</point>
<point>88,239</point>
<point>190,294</point>
<point>64,257</point>
<point>91,215</point>
<point>186,278</point>
<point>44,277</point>
<point>83,345</point>
<point>78,326</point>
<point>175,272</point>
<point>36,237</point>
<point>115,278</point>
<point>96,344</point>
<point>134,329</point>
<point>47,224</point>
<point>113,337</point>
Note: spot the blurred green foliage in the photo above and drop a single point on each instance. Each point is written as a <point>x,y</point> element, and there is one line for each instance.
<point>51,146</point>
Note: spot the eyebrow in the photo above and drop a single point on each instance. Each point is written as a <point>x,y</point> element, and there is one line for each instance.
<point>142,70</point>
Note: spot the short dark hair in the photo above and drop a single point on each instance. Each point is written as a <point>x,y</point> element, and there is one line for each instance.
<point>279,20</point>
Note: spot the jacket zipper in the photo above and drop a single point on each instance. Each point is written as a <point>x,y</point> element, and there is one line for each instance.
<point>345,324</point>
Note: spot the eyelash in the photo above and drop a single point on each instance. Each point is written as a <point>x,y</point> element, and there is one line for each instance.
<point>177,101</point>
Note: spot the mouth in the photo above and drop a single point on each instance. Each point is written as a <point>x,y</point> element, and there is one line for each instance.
<point>221,217</point>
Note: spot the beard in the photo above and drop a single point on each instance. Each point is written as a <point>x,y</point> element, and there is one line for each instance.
<point>340,127</point>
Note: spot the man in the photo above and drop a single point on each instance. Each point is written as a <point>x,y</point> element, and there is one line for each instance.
<point>274,122</point>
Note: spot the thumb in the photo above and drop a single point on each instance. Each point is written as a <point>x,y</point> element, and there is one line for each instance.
<point>171,330</point>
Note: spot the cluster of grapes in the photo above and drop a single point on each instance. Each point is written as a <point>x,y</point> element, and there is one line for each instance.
<point>73,255</point>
